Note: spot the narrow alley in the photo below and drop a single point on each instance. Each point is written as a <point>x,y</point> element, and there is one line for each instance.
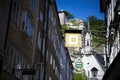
<point>53,40</point>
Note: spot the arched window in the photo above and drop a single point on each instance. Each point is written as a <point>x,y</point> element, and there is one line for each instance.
<point>87,43</point>
<point>94,71</point>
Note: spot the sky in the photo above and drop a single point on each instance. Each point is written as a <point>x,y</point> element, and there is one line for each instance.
<point>81,8</point>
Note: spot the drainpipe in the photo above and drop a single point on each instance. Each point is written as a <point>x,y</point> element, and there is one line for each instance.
<point>46,33</point>
<point>36,32</point>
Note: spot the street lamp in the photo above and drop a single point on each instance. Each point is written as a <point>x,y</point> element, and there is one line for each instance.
<point>94,72</point>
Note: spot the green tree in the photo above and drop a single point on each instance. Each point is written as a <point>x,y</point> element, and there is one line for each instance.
<point>65,27</point>
<point>79,76</point>
<point>69,15</point>
<point>97,29</point>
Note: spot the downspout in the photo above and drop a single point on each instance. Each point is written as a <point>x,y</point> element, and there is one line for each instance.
<point>46,33</point>
<point>42,36</point>
<point>36,32</point>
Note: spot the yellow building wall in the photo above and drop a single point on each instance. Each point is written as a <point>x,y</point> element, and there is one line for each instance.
<point>73,40</point>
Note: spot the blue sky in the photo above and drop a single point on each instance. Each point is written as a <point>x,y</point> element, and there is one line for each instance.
<point>81,8</point>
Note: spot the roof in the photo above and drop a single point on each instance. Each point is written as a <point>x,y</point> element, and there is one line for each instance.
<point>73,31</point>
<point>100,60</point>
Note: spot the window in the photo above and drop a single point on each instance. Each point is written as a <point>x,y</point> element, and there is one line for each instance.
<point>30,30</point>
<point>24,18</point>
<point>47,56</point>
<point>73,39</point>
<point>41,16</point>
<point>53,64</point>
<point>26,66</point>
<point>39,40</point>
<point>51,16</point>
<point>49,32</point>
<point>37,76</point>
<point>87,43</point>
<point>46,4</point>
<point>51,59</point>
<point>61,77</point>
<point>9,60</point>
<point>27,26</point>
<point>45,25</point>
<point>43,51</point>
<point>50,12</point>
<point>15,11</point>
<point>50,78</point>
<point>18,63</point>
<point>42,72</point>
<point>56,72</point>
<point>33,4</point>
<point>46,77</point>
<point>14,60</point>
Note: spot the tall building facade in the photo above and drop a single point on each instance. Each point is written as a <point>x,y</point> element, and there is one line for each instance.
<point>111,9</point>
<point>4,17</point>
<point>31,44</point>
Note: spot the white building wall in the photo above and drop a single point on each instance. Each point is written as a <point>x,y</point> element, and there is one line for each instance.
<point>63,18</point>
<point>90,62</point>
<point>110,18</point>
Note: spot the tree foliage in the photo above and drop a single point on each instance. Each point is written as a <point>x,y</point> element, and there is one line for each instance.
<point>79,76</point>
<point>97,29</point>
<point>69,15</point>
<point>65,27</point>
<point>74,22</point>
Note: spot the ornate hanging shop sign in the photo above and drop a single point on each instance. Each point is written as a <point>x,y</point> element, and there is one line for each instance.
<point>78,65</point>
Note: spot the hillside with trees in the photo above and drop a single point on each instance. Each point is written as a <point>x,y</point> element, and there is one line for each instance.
<point>97,29</point>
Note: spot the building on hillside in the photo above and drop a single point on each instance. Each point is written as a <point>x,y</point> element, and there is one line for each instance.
<point>30,47</point>
<point>77,24</point>
<point>111,9</point>
<point>93,61</point>
<point>62,17</point>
